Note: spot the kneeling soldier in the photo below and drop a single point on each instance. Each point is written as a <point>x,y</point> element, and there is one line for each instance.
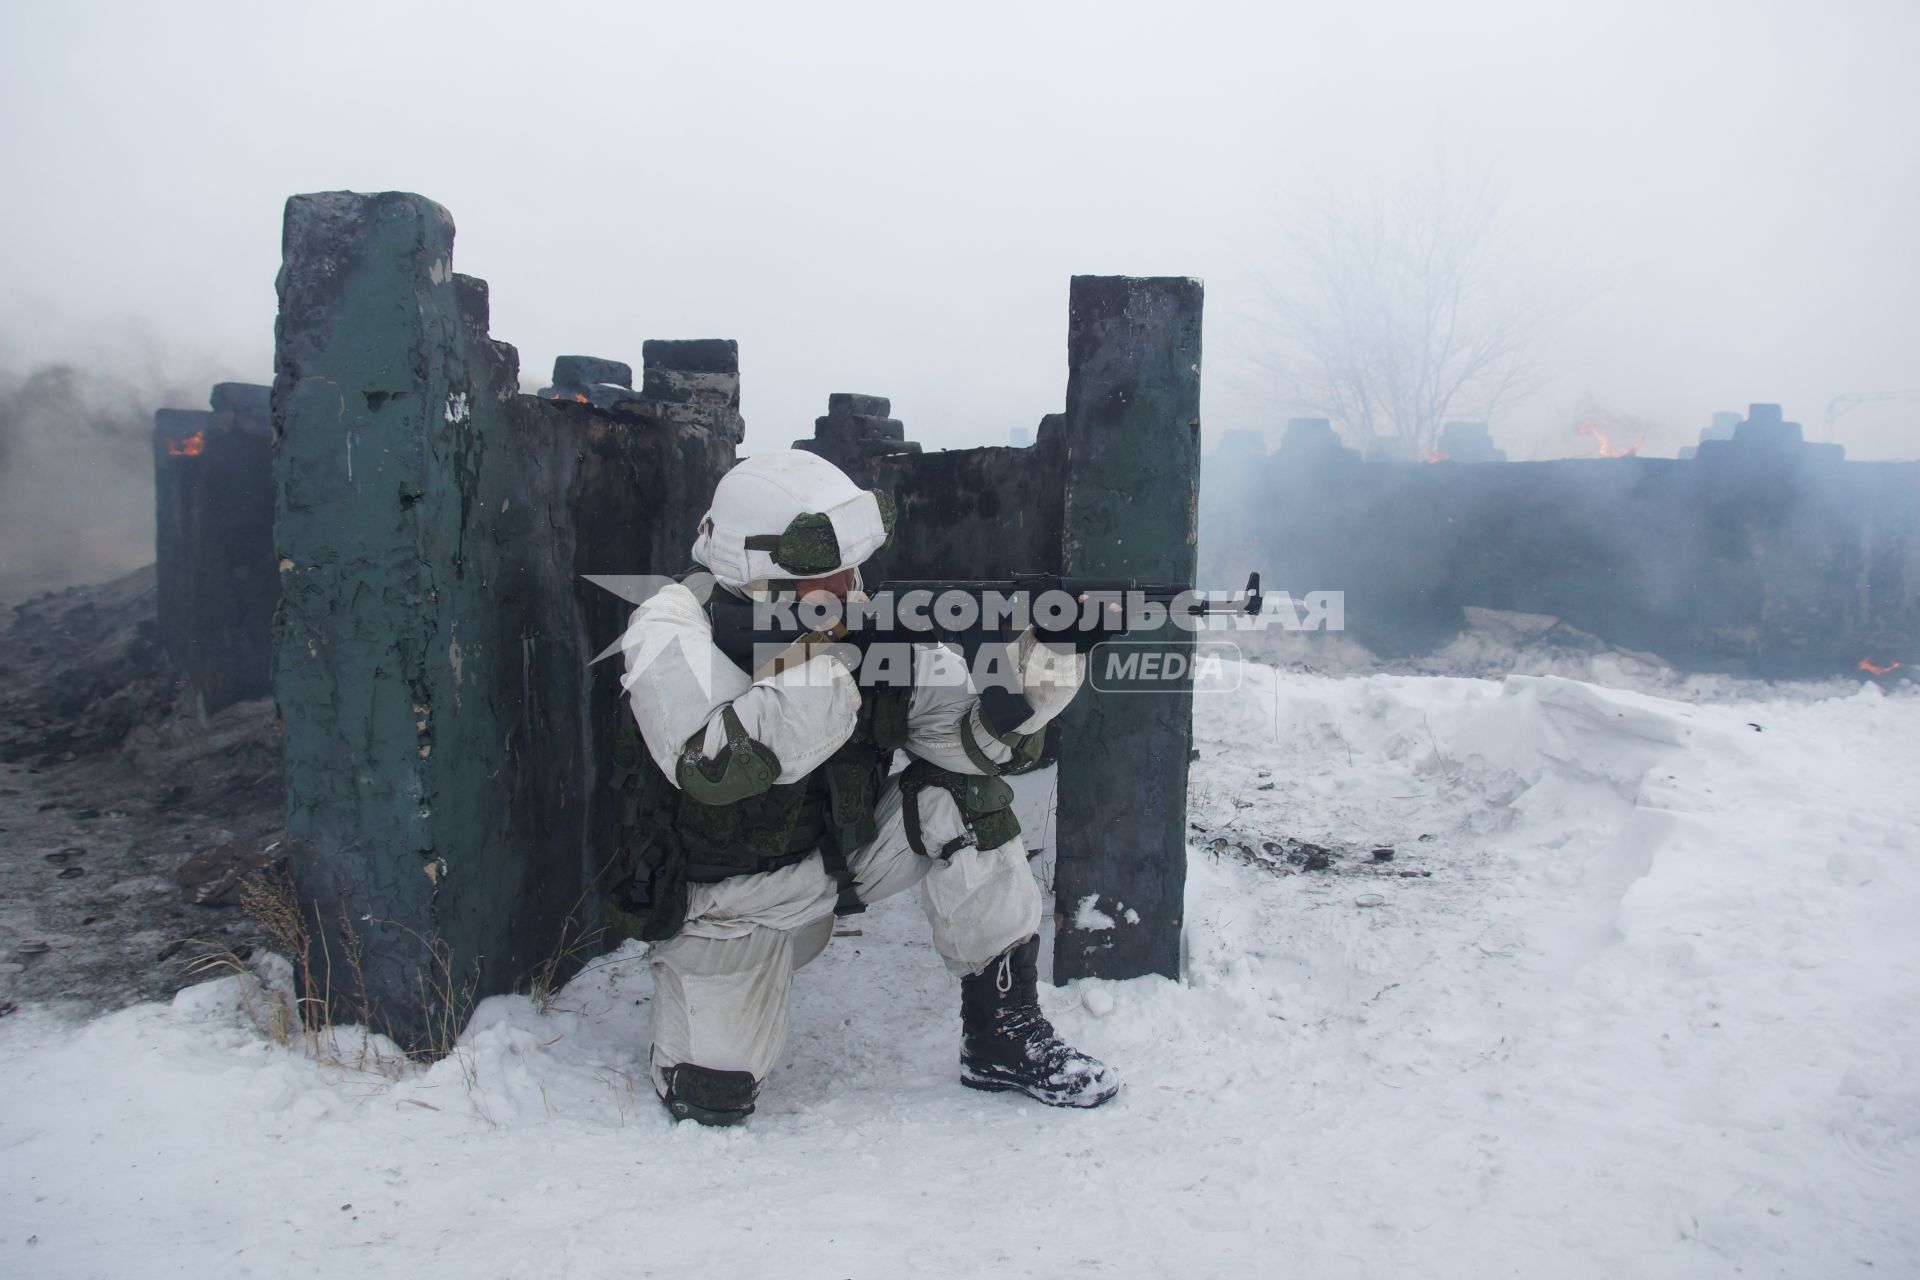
<point>758,809</point>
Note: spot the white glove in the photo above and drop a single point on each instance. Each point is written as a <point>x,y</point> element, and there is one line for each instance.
<point>1049,677</point>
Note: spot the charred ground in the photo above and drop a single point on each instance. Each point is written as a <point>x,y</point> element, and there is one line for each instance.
<point>126,818</point>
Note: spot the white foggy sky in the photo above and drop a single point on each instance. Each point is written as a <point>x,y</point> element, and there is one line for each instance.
<point>891,198</point>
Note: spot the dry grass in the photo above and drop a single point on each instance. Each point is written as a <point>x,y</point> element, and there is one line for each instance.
<point>448,1002</point>
<point>306,1014</point>
<point>574,944</point>
<point>269,1010</point>
<point>328,969</point>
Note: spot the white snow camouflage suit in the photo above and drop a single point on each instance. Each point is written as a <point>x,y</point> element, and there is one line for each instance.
<point>721,984</point>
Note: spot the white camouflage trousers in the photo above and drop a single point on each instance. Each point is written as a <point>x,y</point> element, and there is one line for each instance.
<point>720,986</point>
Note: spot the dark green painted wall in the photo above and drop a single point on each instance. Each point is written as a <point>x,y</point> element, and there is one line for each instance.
<point>446,741</point>
<point>1132,432</point>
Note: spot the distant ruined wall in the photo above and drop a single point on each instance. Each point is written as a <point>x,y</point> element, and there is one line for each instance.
<point>215,582</point>
<point>1760,554</point>
<point>447,743</point>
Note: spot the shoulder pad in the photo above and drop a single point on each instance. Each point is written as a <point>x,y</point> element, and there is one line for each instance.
<point>743,768</point>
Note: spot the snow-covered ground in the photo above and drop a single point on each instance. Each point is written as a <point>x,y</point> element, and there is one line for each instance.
<point>1654,1012</point>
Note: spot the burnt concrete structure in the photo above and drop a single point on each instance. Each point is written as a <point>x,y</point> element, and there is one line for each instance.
<point>215,583</point>
<point>694,383</point>
<point>447,744</point>
<point>1761,555</point>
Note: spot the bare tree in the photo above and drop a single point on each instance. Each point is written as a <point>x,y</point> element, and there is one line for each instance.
<point>1387,318</point>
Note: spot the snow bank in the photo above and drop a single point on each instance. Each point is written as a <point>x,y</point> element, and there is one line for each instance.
<point>1652,1010</point>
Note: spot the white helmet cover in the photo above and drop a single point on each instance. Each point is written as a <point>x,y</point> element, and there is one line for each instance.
<point>761,497</point>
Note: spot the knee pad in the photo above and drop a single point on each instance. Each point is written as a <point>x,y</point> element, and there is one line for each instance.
<point>708,1097</point>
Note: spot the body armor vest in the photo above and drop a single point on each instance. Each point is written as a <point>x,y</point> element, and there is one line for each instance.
<point>668,839</point>
<point>830,809</point>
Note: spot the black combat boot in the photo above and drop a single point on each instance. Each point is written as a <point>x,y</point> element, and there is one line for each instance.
<point>1006,1044</point>
<point>708,1097</point>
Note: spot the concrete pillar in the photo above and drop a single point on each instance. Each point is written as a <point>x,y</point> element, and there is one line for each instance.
<point>447,744</point>
<point>1132,430</point>
<point>375,415</point>
<point>213,543</point>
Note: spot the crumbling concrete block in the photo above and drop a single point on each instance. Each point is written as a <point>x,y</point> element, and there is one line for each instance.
<point>851,404</point>
<point>584,371</point>
<point>857,428</point>
<point>696,382</point>
<point>605,384</point>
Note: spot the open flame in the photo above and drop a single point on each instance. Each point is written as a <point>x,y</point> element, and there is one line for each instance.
<point>1595,432</point>
<point>192,447</point>
<point>1869,666</point>
<point>1434,455</point>
<point>575,396</point>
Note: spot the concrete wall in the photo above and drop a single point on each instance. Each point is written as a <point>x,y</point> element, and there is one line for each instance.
<point>988,512</point>
<point>446,741</point>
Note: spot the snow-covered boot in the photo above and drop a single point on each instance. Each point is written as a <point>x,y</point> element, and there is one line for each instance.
<point>708,1097</point>
<point>1006,1044</point>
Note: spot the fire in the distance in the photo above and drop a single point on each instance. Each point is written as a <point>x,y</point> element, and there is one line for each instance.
<point>191,447</point>
<point>1873,668</point>
<point>1598,434</point>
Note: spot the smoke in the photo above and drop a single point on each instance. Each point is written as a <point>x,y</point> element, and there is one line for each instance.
<point>76,473</point>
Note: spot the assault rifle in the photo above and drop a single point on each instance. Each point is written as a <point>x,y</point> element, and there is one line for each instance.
<point>763,636</point>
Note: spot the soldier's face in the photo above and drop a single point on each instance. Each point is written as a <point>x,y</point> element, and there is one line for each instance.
<point>834,584</point>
